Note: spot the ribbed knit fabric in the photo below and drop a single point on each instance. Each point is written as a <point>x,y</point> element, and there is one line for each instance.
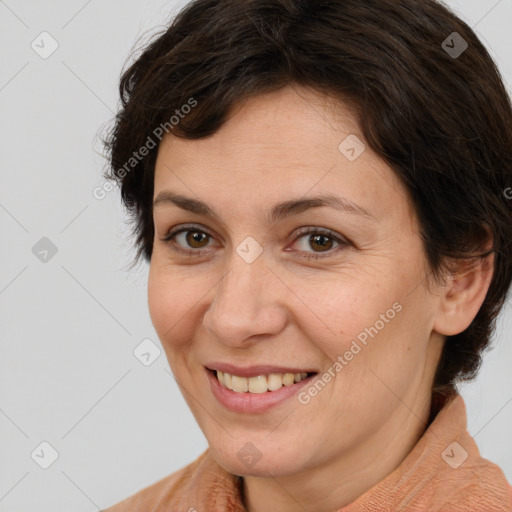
<point>436,476</point>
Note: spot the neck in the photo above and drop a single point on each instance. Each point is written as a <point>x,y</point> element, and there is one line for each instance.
<point>342,479</point>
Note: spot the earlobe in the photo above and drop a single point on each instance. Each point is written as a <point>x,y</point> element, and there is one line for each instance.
<point>464,294</point>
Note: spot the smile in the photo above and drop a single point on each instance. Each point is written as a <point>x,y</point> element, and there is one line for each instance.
<point>257,392</point>
<point>259,384</point>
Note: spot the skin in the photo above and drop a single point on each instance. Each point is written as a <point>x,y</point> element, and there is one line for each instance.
<point>284,309</point>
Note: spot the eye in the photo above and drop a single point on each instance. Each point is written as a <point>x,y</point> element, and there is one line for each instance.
<point>189,236</point>
<point>322,239</point>
<point>190,240</point>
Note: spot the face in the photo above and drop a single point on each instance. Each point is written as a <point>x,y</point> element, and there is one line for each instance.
<point>336,289</point>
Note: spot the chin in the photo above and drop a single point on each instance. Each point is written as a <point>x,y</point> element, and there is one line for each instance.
<point>245,459</point>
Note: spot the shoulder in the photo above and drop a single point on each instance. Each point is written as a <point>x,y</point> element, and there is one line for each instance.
<point>149,498</point>
<point>481,484</point>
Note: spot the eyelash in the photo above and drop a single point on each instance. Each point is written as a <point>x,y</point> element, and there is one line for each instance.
<point>301,233</point>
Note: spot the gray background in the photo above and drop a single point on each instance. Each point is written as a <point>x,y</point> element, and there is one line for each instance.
<point>69,325</point>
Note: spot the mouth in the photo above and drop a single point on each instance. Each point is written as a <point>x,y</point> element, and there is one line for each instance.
<point>259,384</point>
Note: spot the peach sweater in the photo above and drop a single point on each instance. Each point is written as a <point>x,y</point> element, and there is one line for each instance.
<point>443,473</point>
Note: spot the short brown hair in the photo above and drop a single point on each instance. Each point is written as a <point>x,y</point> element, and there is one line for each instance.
<point>437,112</point>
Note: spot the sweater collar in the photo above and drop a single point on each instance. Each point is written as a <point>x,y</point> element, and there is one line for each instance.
<point>444,471</point>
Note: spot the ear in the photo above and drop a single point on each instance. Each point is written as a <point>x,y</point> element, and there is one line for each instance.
<point>464,293</point>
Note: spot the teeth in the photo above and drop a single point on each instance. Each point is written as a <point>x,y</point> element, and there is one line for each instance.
<point>274,382</point>
<point>259,384</point>
<point>239,384</point>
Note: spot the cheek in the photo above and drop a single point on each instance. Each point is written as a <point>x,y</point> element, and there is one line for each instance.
<point>374,325</point>
<point>171,306</point>
<point>384,353</point>
<point>349,311</point>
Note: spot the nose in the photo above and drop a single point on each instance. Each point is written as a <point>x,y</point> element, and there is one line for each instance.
<point>247,303</point>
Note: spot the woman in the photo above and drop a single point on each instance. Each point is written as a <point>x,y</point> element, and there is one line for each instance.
<point>319,188</point>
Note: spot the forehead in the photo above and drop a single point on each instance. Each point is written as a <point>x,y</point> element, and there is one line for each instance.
<point>284,123</point>
<point>287,143</point>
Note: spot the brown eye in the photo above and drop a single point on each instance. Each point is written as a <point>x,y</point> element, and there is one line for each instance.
<point>195,239</point>
<point>321,241</point>
<point>191,241</point>
<point>188,240</point>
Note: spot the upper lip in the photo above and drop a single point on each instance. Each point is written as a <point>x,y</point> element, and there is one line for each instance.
<point>254,371</point>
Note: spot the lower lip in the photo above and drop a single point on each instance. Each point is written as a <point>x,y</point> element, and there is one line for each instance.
<point>252,402</point>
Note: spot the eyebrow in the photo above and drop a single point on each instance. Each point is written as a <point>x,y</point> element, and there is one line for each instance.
<point>278,212</point>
